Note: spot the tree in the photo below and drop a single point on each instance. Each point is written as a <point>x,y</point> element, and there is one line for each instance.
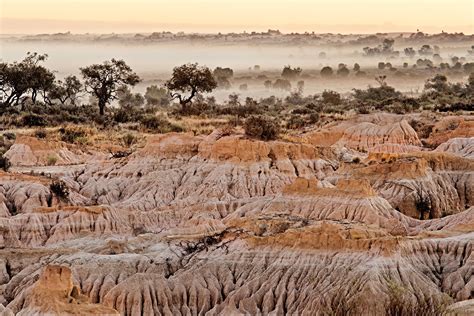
<point>104,80</point>
<point>438,83</point>
<point>291,73</point>
<point>64,91</point>
<point>387,45</point>
<point>127,99</point>
<point>233,100</point>
<point>282,84</point>
<point>157,96</point>
<point>300,86</point>
<point>381,65</point>
<point>267,84</point>
<point>19,78</point>
<point>468,68</point>
<point>425,50</point>
<point>190,79</point>
<point>342,71</point>
<point>437,58</point>
<point>327,72</point>
<point>470,85</point>
<point>223,72</point>
<point>223,76</point>
<point>356,67</point>
<point>410,52</point>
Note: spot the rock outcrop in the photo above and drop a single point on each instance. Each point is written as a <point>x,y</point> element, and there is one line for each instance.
<point>54,293</point>
<point>224,225</point>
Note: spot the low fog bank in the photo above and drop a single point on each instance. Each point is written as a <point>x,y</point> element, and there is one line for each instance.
<point>154,63</point>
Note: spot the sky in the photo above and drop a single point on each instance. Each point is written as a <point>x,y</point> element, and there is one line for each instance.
<point>212,16</point>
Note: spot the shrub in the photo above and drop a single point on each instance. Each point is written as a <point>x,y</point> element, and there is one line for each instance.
<point>51,160</point>
<point>9,136</point>
<point>198,107</point>
<point>59,188</point>
<point>74,134</point>
<point>40,133</point>
<point>295,122</point>
<point>331,97</point>
<point>33,120</point>
<point>4,163</point>
<point>423,130</point>
<point>302,111</point>
<point>315,107</point>
<point>159,124</point>
<point>379,94</point>
<point>363,109</point>
<point>121,154</point>
<point>129,139</point>
<point>313,118</point>
<point>127,114</point>
<point>261,127</point>
<point>242,111</point>
<point>423,204</point>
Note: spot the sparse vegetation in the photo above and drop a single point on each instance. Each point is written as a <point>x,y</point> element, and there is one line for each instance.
<point>261,127</point>
<point>4,163</point>
<point>159,124</point>
<point>60,189</point>
<point>74,134</point>
<point>51,160</point>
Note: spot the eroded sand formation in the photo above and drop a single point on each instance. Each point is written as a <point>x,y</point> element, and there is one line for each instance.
<point>227,225</point>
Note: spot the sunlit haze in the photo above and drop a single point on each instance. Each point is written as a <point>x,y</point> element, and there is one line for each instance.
<point>345,16</point>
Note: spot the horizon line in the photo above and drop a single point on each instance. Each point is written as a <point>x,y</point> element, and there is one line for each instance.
<point>234,32</point>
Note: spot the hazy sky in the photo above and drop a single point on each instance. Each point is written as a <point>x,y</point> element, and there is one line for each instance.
<point>345,16</point>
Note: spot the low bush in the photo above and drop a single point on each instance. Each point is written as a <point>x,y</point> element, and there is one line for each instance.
<point>129,139</point>
<point>242,110</point>
<point>4,163</point>
<point>33,120</point>
<point>295,122</point>
<point>74,134</point>
<point>60,189</point>
<point>41,133</point>
<point>261,127</point>
<point>159,124</point>
<point>51,160</point>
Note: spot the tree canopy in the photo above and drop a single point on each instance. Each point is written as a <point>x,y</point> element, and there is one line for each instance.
<point>104,80</point>
<point>188,80</point>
